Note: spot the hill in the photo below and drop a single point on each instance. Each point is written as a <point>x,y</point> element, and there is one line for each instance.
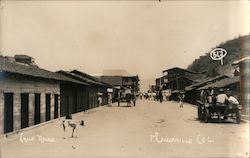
<point>236,48</point>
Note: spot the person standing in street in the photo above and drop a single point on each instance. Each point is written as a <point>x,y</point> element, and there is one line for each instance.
<point>99,100</point>
<point>181,98</point>
<point>160,96</point>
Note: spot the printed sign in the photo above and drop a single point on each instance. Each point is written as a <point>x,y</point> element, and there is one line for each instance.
<point>218,54</point>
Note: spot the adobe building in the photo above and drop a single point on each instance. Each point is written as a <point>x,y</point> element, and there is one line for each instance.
<point>73,96</point>
<point>120,79</point>
<point>87,95</point>
<point>29,95</point>
<point>95,84</point>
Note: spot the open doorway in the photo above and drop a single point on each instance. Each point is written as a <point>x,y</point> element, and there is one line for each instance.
<point>48,107</point>
<point>37,108</point>
<point>24,110</point>
<point>56,106</point>
<point>8,112</point>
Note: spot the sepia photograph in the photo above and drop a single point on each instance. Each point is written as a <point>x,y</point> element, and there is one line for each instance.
<point>124,78</point>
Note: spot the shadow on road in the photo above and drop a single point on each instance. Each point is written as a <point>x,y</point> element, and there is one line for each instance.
<point>216,121</point>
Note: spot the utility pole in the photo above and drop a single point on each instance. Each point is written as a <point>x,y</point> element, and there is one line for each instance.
<point>1,48</point>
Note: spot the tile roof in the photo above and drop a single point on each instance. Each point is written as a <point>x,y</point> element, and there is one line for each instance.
<point>222,83</point>
<point>204,82</point>
<point>113,80</point>
<point>175,68</point>
<point>31,71</point>
<point>241,60</point>
<point>83,77</point>
<point>89,78</point>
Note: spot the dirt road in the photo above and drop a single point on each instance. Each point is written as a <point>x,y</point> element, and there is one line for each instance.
<point>150,129</point>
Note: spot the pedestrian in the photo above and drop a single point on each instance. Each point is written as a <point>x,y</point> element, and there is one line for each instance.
<point>99,100</point>
<point>181,99</point>
<point>109,99</point>
<point>160,96</point>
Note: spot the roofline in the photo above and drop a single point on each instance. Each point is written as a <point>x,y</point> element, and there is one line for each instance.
<point>182,69</point>
<point>40,77</point>
<point>241,60</point>
<point>211,85</point>
<point>32,76</point>
<point>65,73</point>
<point>90,77</point>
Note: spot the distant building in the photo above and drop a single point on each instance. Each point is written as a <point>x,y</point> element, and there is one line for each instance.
<point>175,80</point>
<point>121,79</point>
<point>96,86</point>
<point>173,73</point>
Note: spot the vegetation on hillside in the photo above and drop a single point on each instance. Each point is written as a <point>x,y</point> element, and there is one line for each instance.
<point>235,48</point>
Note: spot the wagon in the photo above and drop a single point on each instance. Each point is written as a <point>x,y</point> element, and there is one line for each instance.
<point>126,96</point>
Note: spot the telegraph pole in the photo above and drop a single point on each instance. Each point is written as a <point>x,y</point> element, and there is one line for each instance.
<point>1,49</point>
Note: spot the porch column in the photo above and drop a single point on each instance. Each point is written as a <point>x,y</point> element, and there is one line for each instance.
<point>42,110</point>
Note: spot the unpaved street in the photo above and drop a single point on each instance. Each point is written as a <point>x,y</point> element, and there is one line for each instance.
<point>150,129</point>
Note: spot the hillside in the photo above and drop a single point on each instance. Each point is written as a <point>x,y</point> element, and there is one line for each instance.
<point>235,48</point>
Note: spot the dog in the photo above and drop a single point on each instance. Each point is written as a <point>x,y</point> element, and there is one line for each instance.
<point>73,124</point>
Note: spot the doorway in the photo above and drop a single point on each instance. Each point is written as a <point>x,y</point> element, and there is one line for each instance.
<point>56,106</point>
<point>67,111</point>
<point>8,112</point>
<point>24,110</point>
<point>37,108</point>
<point>47,107</point>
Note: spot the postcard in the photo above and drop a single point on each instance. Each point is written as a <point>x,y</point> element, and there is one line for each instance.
<point>124,78</point>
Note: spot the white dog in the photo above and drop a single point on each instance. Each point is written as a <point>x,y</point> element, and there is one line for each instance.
<point>73,124</point>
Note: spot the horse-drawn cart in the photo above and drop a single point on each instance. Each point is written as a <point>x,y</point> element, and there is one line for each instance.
<point>126,96</point>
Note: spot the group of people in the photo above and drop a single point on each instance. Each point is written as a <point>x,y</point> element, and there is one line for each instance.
<point>222,98</point>
<point>100,100</point>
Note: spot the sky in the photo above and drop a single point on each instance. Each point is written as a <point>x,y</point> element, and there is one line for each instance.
<point>143,37</point>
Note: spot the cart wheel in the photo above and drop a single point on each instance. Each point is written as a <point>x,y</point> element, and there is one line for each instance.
<point>238,117</point>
